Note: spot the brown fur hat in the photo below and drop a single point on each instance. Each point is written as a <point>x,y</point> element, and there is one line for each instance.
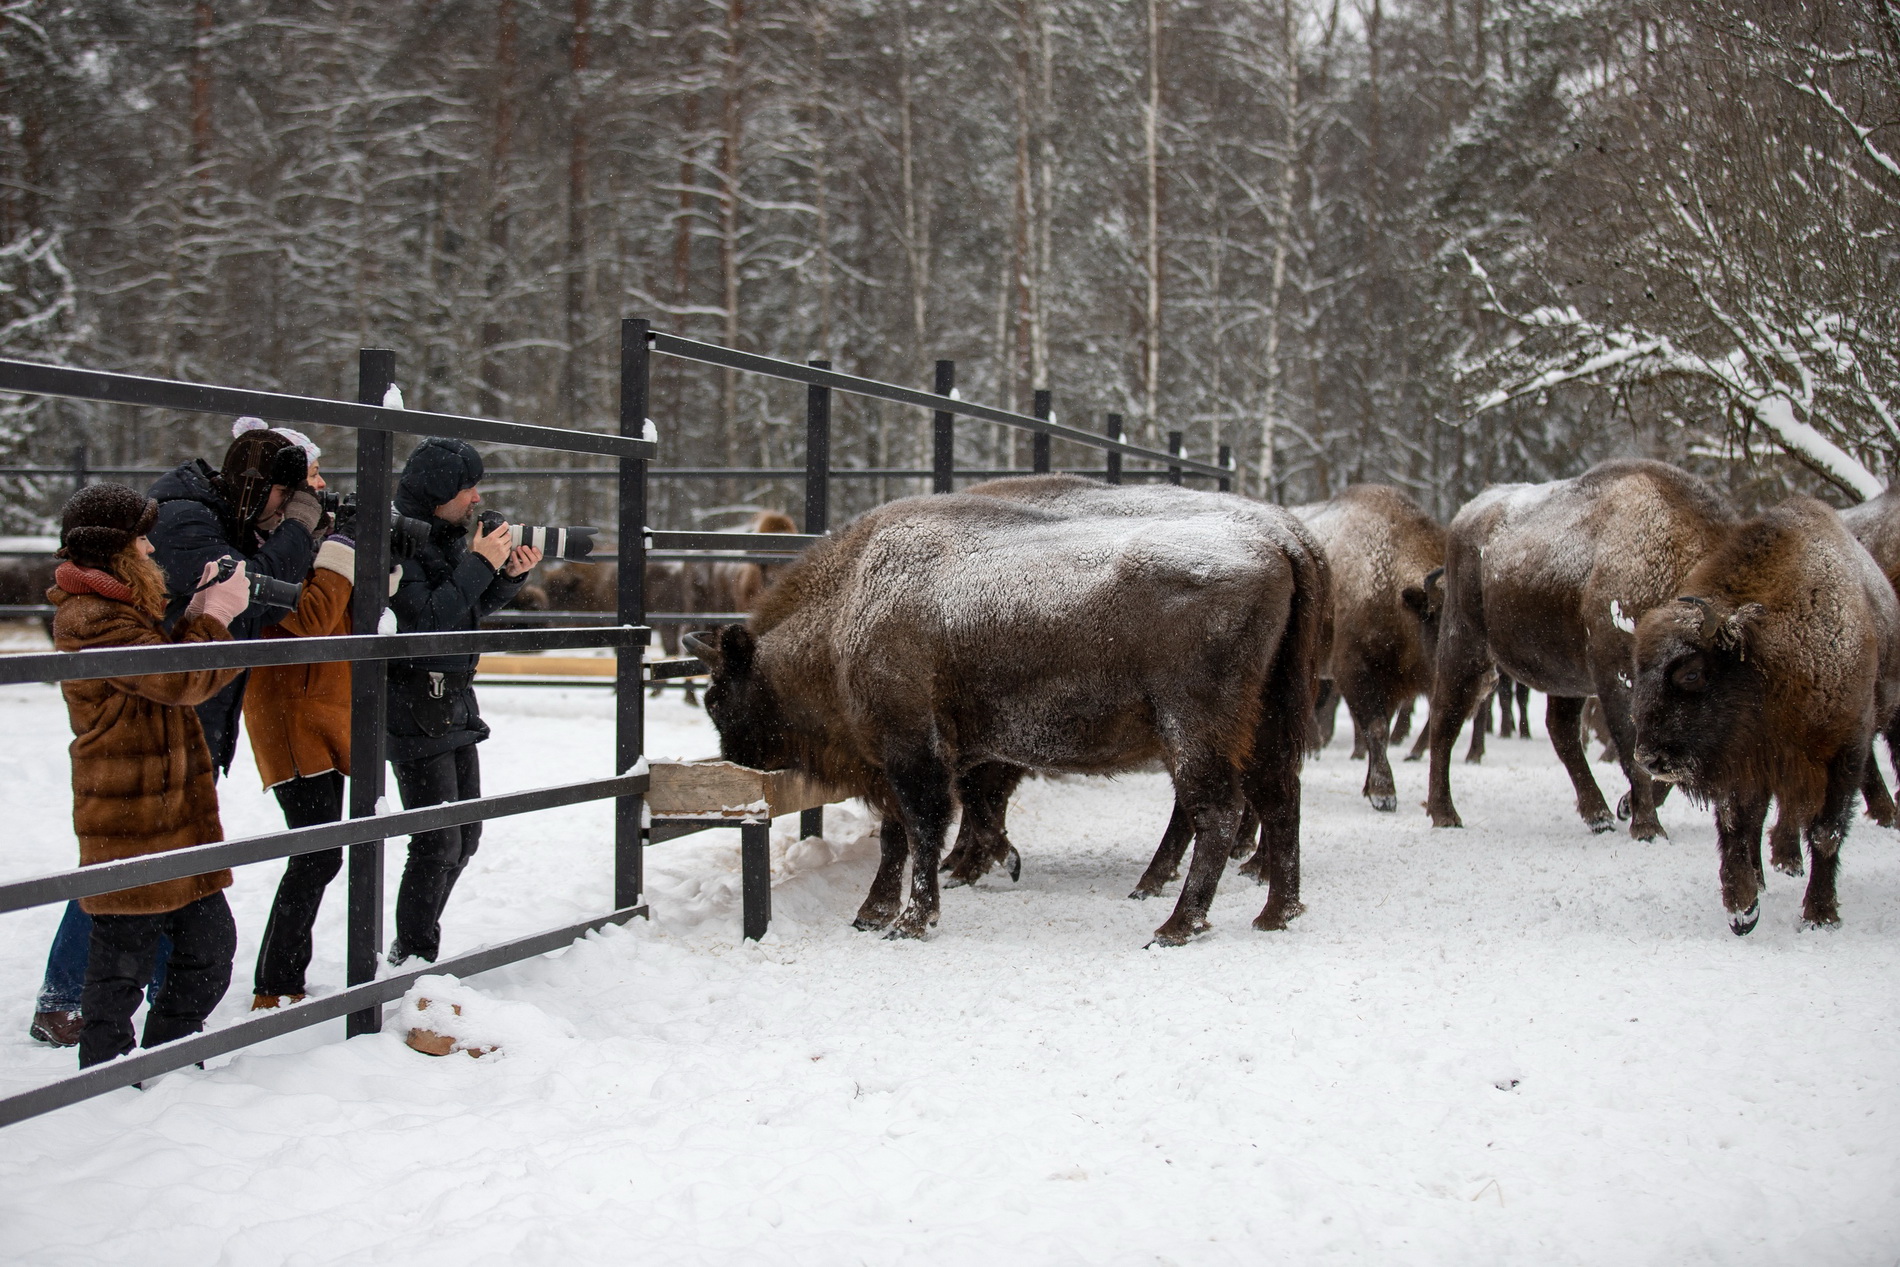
<point>258,459</point>
<point>100,520</point>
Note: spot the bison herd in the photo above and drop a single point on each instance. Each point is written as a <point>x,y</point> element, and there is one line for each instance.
<point>937,649</point>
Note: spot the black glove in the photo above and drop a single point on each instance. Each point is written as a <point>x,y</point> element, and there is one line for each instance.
<point>345,525</point>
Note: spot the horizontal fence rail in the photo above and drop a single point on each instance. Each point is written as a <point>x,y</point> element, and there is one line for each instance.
<point>750,362</point>
<point>105,662</point>
<point>354,1000</point>
<point>176,864</point>
<point>33,379</point>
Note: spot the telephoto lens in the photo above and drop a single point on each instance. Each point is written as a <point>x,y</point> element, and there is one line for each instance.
<point>574,544</point>
<point>266,591</point>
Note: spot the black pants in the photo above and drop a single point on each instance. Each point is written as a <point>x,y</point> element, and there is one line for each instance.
<point>436,858</point>
<point>284,955</point>
<point>119,963</point>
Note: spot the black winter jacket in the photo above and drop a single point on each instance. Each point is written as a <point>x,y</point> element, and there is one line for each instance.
<point>445,587</point>
<point>196,525</point>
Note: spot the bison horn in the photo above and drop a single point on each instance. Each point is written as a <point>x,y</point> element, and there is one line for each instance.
<point>701,645</point>
<point>1706,631</point>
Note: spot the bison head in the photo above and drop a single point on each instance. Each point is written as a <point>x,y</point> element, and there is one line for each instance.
<point>1698,696</point>
<point>740,701</point>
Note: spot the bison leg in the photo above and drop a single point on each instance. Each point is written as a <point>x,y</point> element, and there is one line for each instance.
<point>1369,719</point>
<point>1205,788</point>
<point>981,839</point>
<point>1401,724</point>
<point>1325,712</point>
<point>1480,723</point>
<point>1523,711</point>
<point>920,782</point>
<point>1248,842</point>
<point>1166,864</point>
<point>1784,843</point>
<point>1613,693</point>
<point>1562,716</point>
<point>1454,692</point>
<point>1507,721</point>
<point>1421,745</point>
<point>1820,906</point>
<point>1879,802</point>
<point>887,886</point>
<point>1738,821</point>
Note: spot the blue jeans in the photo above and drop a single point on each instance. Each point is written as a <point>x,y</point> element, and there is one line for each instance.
<point>66,964</point>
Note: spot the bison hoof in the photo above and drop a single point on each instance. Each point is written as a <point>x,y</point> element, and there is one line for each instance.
<point>1014,862</point>
<point>1743,923</point>
<point>1448,818</point>
<point>1179,932</point>
<point>1648,831</point>
<point>1384,802</point>
<point>1825,917</point>
<point>1623,809</point>
<point>1600,823</point>
<point>870,918</point>
<point>1275,918</point>
<point>910,926</point>
<point>1414,756</point>
<point>1255,868</point>
<point>957,881</point>
<point>1788,866</point>
<point>1144,891</point>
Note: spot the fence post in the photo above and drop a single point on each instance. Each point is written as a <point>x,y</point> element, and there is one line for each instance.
<point>1174,447</point>
<point>1113,430</point>
<point>1226,461</point>
<point>811,822</point>
<point>81,475</point>
<point>943,434</point>
<point>1039,447</point>
<point>369,682</point>
<point>630,694</point>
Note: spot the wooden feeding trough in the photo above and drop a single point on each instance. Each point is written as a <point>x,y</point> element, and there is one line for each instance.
<point>691,796</point>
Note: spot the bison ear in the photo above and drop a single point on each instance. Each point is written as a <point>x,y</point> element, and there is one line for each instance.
<point>1733,633</point>
<point>735,648</point>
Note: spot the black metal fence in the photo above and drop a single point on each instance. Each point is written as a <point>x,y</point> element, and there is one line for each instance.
<point>625,631</point>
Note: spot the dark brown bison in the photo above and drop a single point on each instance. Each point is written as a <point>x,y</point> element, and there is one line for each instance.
<point>1546,582</point>
<point>1769,677</point>
<point>1379,547</point>
<point>936,635</point>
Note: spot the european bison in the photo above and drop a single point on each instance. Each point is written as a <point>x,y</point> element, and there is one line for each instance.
<point>939,634</point>
<point>1547,581</point>
<point>1769,677</point>
<point>1379,547</point>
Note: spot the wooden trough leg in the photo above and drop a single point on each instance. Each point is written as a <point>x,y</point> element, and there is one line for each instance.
<point>755,871</point>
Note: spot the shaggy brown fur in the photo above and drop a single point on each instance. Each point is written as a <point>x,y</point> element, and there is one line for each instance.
<point>141,771</point>
<point>938,634</point>
<point>1379,547</point>
<point>1546,581</point>
<point>1769,679</point>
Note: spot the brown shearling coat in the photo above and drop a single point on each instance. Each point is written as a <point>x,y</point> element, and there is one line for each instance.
<point>141,771</point>
<point>298,715</point>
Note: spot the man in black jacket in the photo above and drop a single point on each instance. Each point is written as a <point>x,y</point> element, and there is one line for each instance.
<point>261,507</point>
<point>448,583</point>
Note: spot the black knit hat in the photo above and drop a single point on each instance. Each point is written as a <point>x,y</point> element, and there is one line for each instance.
<point>102,519</point>
<point>440,468</point>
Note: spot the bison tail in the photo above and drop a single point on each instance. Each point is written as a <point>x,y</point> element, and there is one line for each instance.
<point>1292,686</point>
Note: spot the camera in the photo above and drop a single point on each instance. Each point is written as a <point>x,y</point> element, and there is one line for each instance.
<point>266,591</point>
<point>574,544</point>
<point>406,535</point>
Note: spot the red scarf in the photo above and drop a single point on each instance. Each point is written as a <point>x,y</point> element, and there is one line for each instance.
<point>74,579</point>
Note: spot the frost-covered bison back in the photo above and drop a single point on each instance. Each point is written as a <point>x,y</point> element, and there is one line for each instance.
<point>935,635</point>
<point>1547,581</point>
<point>1769,677</point>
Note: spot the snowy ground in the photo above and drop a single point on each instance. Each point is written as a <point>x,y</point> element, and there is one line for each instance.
<point>1517,1042</point>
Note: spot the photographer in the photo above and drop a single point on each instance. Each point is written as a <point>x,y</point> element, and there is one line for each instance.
<point>298,718</point>
<point>141,772</point>
<point>449,583</point>
<point>259,507</point>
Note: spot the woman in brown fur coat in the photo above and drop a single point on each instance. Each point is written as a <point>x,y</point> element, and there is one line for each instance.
<point>141,774</point>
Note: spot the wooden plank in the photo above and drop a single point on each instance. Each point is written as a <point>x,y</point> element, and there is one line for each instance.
<point>720,789</point>
<point>547,665</point>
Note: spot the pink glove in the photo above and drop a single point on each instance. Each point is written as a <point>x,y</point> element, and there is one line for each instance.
<point>225,601</point>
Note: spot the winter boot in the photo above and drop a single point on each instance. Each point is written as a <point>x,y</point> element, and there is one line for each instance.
<point>265,1002</point>
<point>56,1029</point>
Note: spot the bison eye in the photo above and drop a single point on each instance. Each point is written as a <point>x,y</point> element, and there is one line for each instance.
<point>1691,675</point>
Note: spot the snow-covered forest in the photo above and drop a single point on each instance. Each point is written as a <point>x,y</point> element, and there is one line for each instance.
<point>1431,242</point>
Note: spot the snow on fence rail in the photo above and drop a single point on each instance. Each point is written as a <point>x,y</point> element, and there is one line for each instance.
<point>625,632</point>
